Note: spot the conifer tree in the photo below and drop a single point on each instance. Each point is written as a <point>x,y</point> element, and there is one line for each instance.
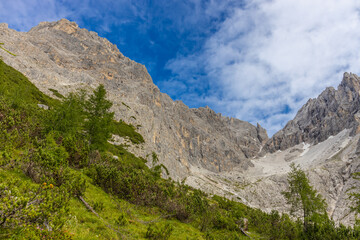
<point>304,199</point>
<point>99,118</point>
<point>355,197</point>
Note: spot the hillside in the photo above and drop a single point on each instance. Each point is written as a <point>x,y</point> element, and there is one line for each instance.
<point>144,179</point>
<point>57,182</point>
<point>55,186</point>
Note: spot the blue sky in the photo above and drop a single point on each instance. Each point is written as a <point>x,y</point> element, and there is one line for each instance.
<point>258,60</point>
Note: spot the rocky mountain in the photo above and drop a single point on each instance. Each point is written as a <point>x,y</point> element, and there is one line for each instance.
<point>327,115</point>
<point>217,154</point>
<point>323,139</point>
<point>64,57</point>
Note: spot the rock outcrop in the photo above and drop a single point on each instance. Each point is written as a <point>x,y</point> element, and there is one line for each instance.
<point>327,115</point>
<point>61,56</point>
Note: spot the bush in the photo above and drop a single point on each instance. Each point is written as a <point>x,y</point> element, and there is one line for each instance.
<point>135,182</point>
<point>159,231</point>
<point>16,130</point>
<point>78,150</point>
<point>122,220</point>
<point>47,161</point>
<point>37,233</point>
<point>22,204</point>
<point>127,131</point>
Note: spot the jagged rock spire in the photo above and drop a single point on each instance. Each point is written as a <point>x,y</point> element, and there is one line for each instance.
<point>327,115</point>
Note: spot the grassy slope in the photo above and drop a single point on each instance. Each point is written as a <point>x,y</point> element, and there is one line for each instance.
<point>83,223</point>
<point>127,131</point>
<point>86,225</point>
<point>15,85</point>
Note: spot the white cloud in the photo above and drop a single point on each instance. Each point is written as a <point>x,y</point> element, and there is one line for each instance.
<point>268,58</point>
<point>24,14</point>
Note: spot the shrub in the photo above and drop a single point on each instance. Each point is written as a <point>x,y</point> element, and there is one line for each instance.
<point>56,93</point>
<point>16,129</point>
<point>22,204</point>
<point>159,231</point>
<point>127,131</point>
<point>78,150</point>
<point>122,220</point>
<point>47,161</point>
<point>37,233</point>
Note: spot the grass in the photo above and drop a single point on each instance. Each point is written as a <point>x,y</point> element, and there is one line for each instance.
<point>6,50</point>
<point>86,225</point>
<point>17,87</point>
<point>15,173</point>
<point>56,93</point>
<point>128,107</point>
<point>127,131</point>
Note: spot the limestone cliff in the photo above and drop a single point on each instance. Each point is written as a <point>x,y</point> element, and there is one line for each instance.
<point>60,55</point>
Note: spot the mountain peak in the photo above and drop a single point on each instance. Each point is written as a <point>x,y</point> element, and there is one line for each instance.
<point>327,115</point>
<point>66,26</point>
<point>350,81</point>
<point>4,25</point>
<point>62,25</point>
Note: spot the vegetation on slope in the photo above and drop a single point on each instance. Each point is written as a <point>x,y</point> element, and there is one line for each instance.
<point>61,179</point>
<point>127,131</point>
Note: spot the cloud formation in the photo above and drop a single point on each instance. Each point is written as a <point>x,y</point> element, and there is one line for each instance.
<point>269,57</point>
<point>22,15</point>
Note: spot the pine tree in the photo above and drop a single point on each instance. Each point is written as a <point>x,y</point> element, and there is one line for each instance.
<point>304,199</point>
<point>355,197</point>
<point>99,118</point>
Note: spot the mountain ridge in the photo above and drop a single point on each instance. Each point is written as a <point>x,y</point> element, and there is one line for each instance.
<point>62,56</point>
<point>322,117</point>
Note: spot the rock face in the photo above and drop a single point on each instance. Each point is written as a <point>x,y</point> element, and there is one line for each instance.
<point>329,166</point>
<point>323,138</point>
<point>327,115</point>
<point>62,56</point>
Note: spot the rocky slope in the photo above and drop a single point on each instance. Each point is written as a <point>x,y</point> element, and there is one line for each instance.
<point>62,56</point>
<point>329,166</point>
<point>327,115</point>
<point>323,139</point>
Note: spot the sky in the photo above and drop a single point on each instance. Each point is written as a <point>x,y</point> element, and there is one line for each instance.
<point>258,60</point>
